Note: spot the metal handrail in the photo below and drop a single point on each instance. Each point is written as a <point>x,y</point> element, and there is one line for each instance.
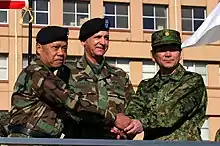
<point>101,142</point>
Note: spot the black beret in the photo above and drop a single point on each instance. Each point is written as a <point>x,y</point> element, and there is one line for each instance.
<point>92,26</point>
<point>51,34</point>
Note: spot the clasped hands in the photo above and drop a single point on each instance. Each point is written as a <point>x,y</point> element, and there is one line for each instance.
<point>126,127</point>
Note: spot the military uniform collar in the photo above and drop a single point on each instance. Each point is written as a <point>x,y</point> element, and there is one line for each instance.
<point>106,69</point>
<point>96,68</point>
<point>81,64</point>
<point>178,73</point>
<point>37,61</point>
<point>176,76</point>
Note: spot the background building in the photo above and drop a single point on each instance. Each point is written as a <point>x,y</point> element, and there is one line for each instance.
<point>133,22</point>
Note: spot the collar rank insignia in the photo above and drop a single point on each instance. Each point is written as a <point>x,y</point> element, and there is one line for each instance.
<point>167,33</point>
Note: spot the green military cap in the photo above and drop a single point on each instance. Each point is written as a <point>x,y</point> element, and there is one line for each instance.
<point>165,37</point>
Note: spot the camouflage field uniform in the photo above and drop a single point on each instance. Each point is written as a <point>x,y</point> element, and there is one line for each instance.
<point>104,86</point>
<point>171,107</point>
<point>37,103</point>
<point>4,119</point>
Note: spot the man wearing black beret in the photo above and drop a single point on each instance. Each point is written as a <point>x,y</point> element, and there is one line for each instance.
<point>36,100</point>
<point>106,87</point>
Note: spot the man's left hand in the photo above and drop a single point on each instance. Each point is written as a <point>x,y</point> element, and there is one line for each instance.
<point>134,127</point>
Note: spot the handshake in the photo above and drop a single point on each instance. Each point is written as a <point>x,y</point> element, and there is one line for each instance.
<point>124,126</point>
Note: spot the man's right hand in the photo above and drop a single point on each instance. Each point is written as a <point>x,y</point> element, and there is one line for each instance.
<point>119,133</point>
<point>122,121</point>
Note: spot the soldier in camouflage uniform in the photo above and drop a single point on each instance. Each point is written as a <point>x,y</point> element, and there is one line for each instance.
<point>34,113</point>
<point>172,104</point>
<point>103,85</point>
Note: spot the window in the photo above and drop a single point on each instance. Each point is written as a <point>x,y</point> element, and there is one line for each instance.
<point>120,63</point>
<point>25,60</point>
<point>205,130</point>
<point>3,67</point>
<point>117,13</point>
<point>3,16</point>
<point>150,68</point>
<point>198,67</point>
<point>40,12</point>
<point>155,17</point>
<point>75,13</point>
<point>192,18</point>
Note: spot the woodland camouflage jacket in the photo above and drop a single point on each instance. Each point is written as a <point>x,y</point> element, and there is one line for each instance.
<point>38,99</point>
<point>171,107</point>
<point>110,89</point>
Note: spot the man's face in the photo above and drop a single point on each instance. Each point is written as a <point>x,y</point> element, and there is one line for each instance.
<point>53,54</point>
<point>96,45</point>
<point>167,56</point>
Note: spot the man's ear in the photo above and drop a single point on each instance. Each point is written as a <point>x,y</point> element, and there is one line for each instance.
<point>181,55</point>
<point>38,49</point>
<point>152,55</point>
<point>83,43</point>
